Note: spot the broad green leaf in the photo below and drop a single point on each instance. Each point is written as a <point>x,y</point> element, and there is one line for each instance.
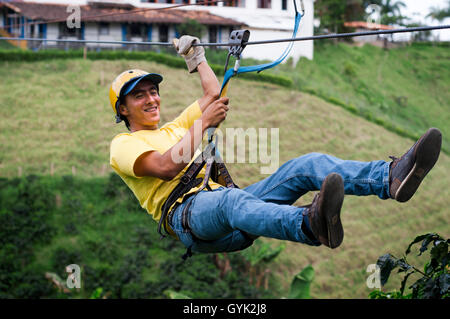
<point>430,289</point>
<point>386,263</point>
<point>404,266</point>
<point>301,283</point>
<point>427,238</point>
<point>439,251</point>
<point>402,287</point>
<point>416,240</point>
<point>444,283</point>
<point>97,293</point>
<point>175,295</point>
<point>427,241</point>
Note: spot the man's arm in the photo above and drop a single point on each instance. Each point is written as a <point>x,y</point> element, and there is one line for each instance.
<point>164,166</point>
<point>196,62</point>
<point>210,85</point>
<point>213,109</point>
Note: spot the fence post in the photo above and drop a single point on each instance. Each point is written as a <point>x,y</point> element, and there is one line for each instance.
<point>74,171</point>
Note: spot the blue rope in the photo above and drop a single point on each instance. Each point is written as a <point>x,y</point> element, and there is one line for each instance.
<point>257,68</point>
<point>261,67</point>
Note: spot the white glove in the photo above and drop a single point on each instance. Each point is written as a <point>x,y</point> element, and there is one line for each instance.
<point>192,55</point>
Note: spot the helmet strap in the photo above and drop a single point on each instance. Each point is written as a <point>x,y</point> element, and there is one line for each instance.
<point>118,118</point>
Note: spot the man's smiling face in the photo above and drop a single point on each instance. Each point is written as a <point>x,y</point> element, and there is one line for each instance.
<point>142,106</point>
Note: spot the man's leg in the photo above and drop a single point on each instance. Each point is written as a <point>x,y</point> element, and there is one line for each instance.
<point>220,219</point>
<point>398,179</point>
<point>307,173</point>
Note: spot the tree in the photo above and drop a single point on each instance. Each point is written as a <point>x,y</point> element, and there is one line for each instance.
<point>191,27</point>
<point>439,14</point>
<point>390,10</point>
<point>333,13</point>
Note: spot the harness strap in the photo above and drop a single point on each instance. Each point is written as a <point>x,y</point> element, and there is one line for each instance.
<point>189,181</point>
<point>178,192</point>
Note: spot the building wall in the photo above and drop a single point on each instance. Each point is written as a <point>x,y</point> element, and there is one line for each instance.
<point>52,33</point>
<point>92,32</point>
<point>264,24</point>
<point>274,23</point>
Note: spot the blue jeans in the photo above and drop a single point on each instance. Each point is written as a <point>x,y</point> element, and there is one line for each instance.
<point>222,220</point>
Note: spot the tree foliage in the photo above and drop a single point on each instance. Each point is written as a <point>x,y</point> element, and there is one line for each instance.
<point>439,14</point>
<point>334,13</point>
<point>191,27</point>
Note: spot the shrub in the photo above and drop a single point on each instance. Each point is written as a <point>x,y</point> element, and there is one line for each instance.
<point>434,282</point>
<point>172,61</point>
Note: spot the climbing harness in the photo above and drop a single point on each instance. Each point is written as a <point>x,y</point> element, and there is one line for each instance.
<point>215,168</point>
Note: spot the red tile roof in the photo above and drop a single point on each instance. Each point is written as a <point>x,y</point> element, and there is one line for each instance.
<point>116,13</point>
<point>368,26</point>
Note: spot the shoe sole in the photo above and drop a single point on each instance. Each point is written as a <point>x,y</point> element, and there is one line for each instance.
<point>333,194</point>
<point>427,154</point>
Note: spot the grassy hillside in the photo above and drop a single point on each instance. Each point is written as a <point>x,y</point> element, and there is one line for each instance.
<point>56,119</point>
<point>406,87</point>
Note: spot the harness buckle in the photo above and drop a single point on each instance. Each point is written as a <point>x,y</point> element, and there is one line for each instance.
<point>184,179</point>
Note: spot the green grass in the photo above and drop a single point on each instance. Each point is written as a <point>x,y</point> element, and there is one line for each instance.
<point>5,45</point>
<point>57,114</point>
<point>405,89</point>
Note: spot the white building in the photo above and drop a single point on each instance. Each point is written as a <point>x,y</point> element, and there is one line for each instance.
<point>266,20</point>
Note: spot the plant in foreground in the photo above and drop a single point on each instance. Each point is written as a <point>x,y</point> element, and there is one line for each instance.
<point>434,281</point>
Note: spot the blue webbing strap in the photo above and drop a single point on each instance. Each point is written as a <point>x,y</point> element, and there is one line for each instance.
<point>246,69</point>
<point>261,67</point>
<point>258,68</point>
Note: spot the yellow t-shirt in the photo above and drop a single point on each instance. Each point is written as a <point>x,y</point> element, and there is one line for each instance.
<point>152,192</point>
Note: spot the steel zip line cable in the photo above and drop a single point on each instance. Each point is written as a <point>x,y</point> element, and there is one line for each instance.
<point>351,34</point>
<point>316,37</point>
<point>117,13</point>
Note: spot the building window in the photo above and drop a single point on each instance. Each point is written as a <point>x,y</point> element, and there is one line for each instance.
<point>103,28</point>
<point>283,4</point>
<point>235,3</point>
<point>66,32</point>
<point>32,30</point>
<point>14,23</point>
<point>135,30</point>
<point>167,1</point>
<point>207,3</point>
<point>163,33</point>
<point>264,4</point>
<point>42,30</point>
<point>213,34</point>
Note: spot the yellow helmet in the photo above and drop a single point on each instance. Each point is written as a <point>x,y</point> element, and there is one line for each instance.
<point>124,83</point>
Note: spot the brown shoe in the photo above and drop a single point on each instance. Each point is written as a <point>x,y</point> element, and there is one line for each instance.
<point>324,212</point>
<point>407,172</point>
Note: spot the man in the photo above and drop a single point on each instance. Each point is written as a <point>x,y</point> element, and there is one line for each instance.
<point>229,219</point>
